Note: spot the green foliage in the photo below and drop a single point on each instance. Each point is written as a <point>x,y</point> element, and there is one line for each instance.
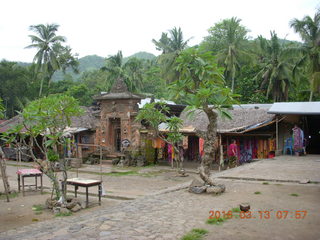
<point>236,210</point>
<point>52,156</point>
<point>309,30</point>
<point>51,54</point>
<point>153,114</point>
<point>201,82</point>
<point>227,41</point>
<point>171,46</point>
<point>37,207</point>
<point>294,195</point>
<point>215,221</point>
<point>16,89</point>
<point>195,234</point>
<point>257,193</point>
<point>275,68</point>
<point>63,214</point>
<point>82,93</point>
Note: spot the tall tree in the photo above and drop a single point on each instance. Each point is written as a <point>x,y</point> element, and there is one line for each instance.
<point>51,54</point>
<point>309,30</point>
<point>130,72</point>
<point>227,40</point>
<point>276,70</point>
<point>16,89</point>
<point>171,46</point>
<point>202,84</point>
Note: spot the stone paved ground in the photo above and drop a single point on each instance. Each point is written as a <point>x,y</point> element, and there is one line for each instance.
<point>287,167</point>
<point>171,215</point>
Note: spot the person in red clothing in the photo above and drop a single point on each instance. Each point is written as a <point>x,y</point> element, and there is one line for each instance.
<point>232,154</point>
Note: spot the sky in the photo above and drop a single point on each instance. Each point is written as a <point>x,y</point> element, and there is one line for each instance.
<point>103,27</point>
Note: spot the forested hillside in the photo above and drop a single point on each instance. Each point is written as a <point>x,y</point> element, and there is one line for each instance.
<point>260,70</point>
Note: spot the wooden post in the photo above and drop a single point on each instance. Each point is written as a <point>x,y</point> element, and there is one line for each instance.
<point>277,135</point>
<point>221,152</point>
<point>101,163</point>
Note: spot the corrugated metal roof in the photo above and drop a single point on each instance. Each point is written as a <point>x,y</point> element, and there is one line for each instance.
<point>302,108</point>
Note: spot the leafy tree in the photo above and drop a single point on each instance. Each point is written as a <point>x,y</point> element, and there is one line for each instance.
<point>309,30</point>
<point>227,41</point>
<point>276,70</point>
<point>248,88</point>
<point>16,89</point>
<point>202,84</point>
<point>46,117</point>
<point>152,82</point>
<point>81,93</point>
<point>153,114</point>
<point>131,71</point>
<point>171,46</point>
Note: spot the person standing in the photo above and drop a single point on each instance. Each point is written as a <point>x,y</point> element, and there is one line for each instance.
<point>232,154</point>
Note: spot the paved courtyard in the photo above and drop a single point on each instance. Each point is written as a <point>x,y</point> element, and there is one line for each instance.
<point>171,214</point>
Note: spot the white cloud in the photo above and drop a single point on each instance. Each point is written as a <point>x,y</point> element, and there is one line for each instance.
<point>103,27</point>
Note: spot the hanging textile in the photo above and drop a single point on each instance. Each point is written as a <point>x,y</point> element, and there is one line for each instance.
<point>157,143</point>
<point>201,146</point>
<point>185,142</point>
<point>297,135</point>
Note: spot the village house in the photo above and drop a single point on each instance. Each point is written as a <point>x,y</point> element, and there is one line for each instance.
<point>260,130</point>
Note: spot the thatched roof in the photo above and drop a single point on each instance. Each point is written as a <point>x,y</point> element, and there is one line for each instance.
<point>87,121</point>
<point>242,119</point>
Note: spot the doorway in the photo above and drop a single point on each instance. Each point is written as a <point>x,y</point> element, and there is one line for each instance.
<point>115,134</point>
<point>313,134</point>
<point>117,140</point>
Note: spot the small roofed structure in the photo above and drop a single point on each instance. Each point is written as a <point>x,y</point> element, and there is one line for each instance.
<point>251,126</point>
<point>306,115</point>
<point>243,119</point>
<point>298,108</point>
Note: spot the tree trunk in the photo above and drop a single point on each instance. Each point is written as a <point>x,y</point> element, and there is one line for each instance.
<point>4,173</point>
<point>311,96</point>
<point>210,138</point>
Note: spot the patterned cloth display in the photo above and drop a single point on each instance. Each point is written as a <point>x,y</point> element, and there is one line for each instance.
<point>298,137</point>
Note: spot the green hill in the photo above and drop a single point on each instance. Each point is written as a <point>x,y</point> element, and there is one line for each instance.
<point>93,62</point>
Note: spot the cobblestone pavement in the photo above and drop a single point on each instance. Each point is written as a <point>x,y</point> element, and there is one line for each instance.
<point>170,215</point>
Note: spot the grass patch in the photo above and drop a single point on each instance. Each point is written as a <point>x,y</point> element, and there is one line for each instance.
<point>132,172</point>
<point>195,234</point>
<point>35,219</point>
<point>294,194</point>
<point>265,183</point>
<point>278,184</point>
<point>63,214</point>
<point>215,221</point>
<point>257,192</point>
<point>11,195</point>
<point>37,207</point>
<point>236,209</point>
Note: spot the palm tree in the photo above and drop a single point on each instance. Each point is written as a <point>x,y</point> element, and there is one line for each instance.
<point>275,68</point>
<point>46,58</point>
<point>227,39</point>
<point>171,46</point>
<point>309,30</point>
<point>130,72</point>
